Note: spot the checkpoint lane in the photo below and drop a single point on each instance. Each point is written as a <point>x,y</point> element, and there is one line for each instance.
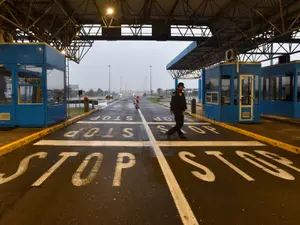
<point>120,111</point>
<point>83,186</point>
<point>238,185</point>
<point>126,188</point>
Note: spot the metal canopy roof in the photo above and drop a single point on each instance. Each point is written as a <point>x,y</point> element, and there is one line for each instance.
<point>73,25</point>
<point>245,25</point>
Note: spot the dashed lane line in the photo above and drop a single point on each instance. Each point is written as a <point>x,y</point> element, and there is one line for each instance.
<point>184,209</point>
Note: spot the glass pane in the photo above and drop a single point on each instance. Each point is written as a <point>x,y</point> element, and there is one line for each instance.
<point>215,98</point>
<point>29,74</point>
<point>212,83</point>
<point>235,92</point>
<point>265,88</point>
<point>30,95</point>
<point>225,95</point>
<point>55,86</point>
<point>256,89</point>
<point>287,87</point>
<point>5,86</point>
<point>298,94</point>
<point>246,90</point>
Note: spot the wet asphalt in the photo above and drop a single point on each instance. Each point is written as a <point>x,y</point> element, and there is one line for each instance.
<point>104,170</point>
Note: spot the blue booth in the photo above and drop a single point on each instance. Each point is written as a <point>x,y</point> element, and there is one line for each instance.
<point>32,85</point>
<point>232,92</point>
<point>281,90</point>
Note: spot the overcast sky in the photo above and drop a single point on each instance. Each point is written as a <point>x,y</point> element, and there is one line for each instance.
<point>129,60</point>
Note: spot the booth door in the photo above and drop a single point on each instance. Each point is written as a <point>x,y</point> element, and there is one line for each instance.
<point>7,99</point>
<point>246,97</point>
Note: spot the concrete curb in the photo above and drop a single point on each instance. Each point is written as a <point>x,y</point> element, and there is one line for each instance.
<point>26,140</point>
<point>281,119</point>
<point>282,145</point>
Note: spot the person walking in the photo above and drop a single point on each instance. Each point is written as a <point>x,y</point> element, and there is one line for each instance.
<point>178,107</point>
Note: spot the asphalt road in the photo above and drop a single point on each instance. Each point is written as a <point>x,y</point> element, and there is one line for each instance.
<point>118,167</point>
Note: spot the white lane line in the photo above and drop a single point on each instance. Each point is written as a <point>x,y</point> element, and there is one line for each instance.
<point>108,122</point>
<point>93,143</point>
<point>184,209</point>
<point>209,143</point>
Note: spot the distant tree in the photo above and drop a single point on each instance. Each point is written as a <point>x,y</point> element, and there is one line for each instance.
<point>99,92</point>
<point>159,91</point>
<point>90,93</point>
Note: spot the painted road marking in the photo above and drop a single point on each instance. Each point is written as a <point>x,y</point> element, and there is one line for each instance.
<point>65,156</point>
<point>94,143</point>
<point>209,143</point>
<point>22,167</point>
<point>133,123</point>
<point>77,180</point>
<point>108,122</point>
<point>147,143</point>
<point>95,131</point>
<point>265,165</point>
<point>220,157</point>
<point>207,176</point>
<point>184,209</point>
<point>121,165</point>
<point>126,160</point>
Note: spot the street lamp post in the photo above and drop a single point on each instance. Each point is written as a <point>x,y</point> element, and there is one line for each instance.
<point>120,84</point>
<point>150,80</point>
<point>109,79</point>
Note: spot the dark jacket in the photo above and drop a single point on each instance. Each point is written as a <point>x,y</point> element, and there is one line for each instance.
<point>178,102</point>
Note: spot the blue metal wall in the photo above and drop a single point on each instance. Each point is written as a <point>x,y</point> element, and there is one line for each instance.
<point>31,54</point>
<point>230,113</point>
<point>290,109</point>
<point>32,115</point>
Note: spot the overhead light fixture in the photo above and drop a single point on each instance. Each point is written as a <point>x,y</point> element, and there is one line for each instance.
<point>110,11</point>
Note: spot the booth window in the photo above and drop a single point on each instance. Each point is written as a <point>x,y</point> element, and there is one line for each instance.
<point>225,88</point>
<point>256,89</point>
<point>30,84</point>
<point>5,86</point>
<point>212,83</point>
<point>287,87</point>
<point>298,94</point>
<point>212,98</point>
<point>265,88</point>
<point>274,88</point>
<point>55,86</point>
<point>235,91</point>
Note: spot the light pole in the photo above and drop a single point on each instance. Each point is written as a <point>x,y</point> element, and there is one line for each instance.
<point>120,84</point>
<point>150,80</point>
<point>109,79</point>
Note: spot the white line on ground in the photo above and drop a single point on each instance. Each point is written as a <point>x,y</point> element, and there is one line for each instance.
<point>108,122</point>
<point>94,143</point>
<point>184,209</point>
<point>209,143</point>
<point>171,123</point>
<point>127,122</point>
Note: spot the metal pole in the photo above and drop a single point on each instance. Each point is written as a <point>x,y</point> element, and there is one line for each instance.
<point>68,64</point>
<point>109,79</point>
<point>150,80</point>
<point>120,84</point>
